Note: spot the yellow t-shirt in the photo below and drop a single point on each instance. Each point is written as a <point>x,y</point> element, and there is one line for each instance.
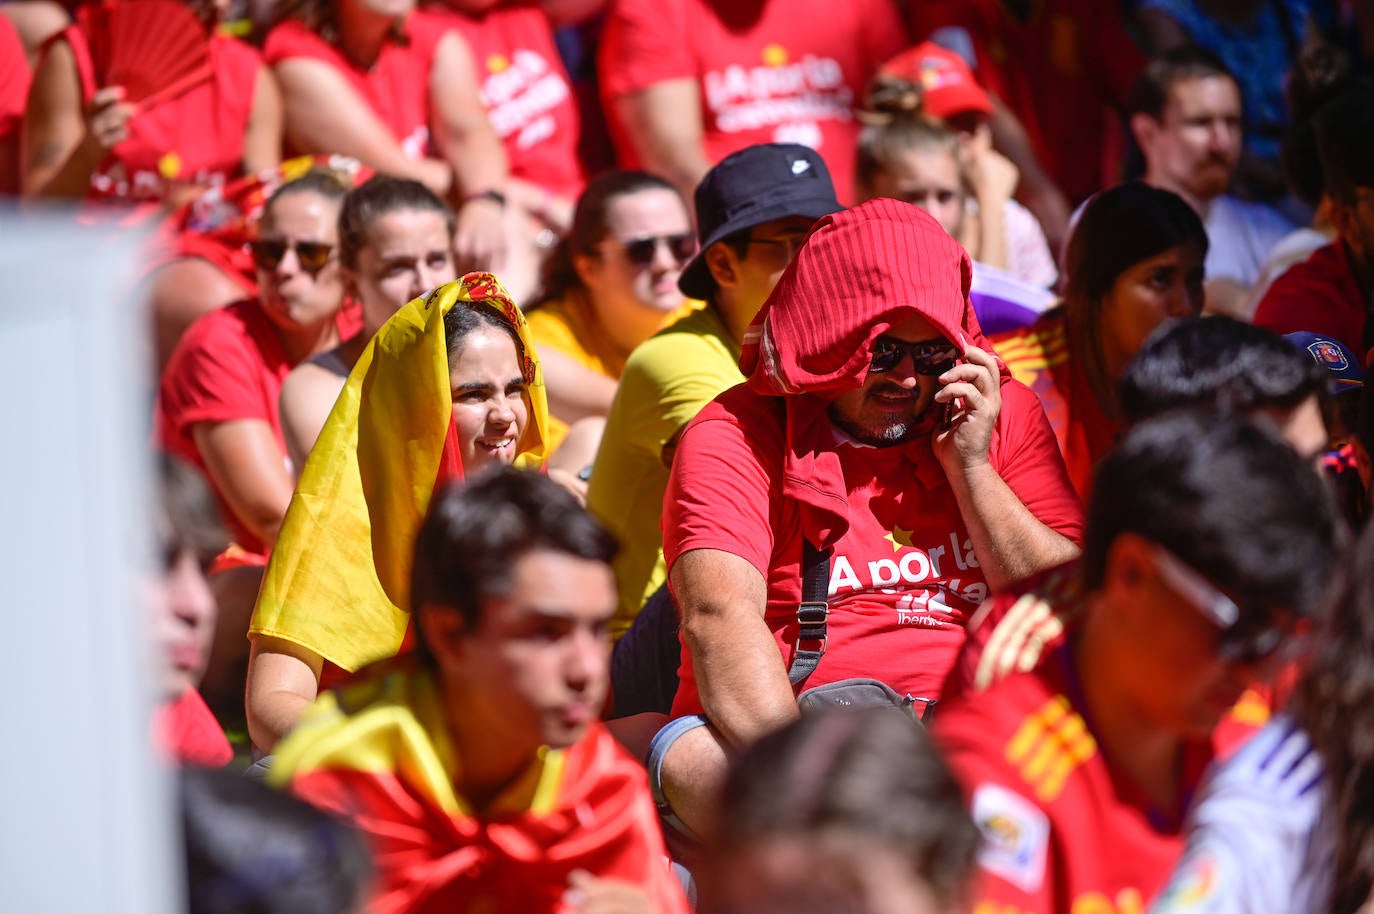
<point>569,326</point>
<point>666,382</point>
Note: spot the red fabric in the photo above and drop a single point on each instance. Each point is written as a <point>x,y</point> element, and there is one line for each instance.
<point>395,87</point>
<point>789,73</point>
<point>1059,72</point>
<point>1105,850</point>
<point>755,472</point>
<point>1039,356</point>
<point>195,138</point>
<point>14,92</point>
<point>1320,294</point>
<point>947,84</point>
<point>187,730</point>
<point>228,365</point>
<point>429,862</point>
<point>527,93</point>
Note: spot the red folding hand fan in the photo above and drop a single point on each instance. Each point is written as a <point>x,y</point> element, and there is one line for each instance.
<point>155,49</point>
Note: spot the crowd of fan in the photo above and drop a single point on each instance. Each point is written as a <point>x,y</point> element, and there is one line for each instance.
<point>748,455</point>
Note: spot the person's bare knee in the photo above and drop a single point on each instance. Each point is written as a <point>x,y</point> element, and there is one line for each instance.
<point>692,774</point>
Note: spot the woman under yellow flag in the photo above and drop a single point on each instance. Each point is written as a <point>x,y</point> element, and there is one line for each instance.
<point>450,384</point>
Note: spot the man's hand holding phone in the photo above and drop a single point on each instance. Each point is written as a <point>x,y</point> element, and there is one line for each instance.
<point>970,397</point>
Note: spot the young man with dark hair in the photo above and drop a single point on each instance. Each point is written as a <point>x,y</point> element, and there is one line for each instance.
<point>478,770</point>
<point>1330,292</point>
<point>1209,543</point>
<point>1233,366</point>
<point>1186,118</point>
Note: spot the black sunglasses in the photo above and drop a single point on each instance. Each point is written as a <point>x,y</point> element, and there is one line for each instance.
<point>928,357</point>
<point>641,251</point>
<point>269,252</point>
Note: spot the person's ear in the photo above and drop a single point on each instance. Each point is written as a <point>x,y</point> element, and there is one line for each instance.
<point>588,267</point>
<point>720,260</point>
<point>1129,567</point>
<point>443,629</point>
<point>1144,128</point>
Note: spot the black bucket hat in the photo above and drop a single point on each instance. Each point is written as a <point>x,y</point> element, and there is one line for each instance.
<point>747,188</point>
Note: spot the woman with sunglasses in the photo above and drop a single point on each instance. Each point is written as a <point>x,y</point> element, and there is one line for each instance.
<point>450,385</point>
<point>395,244</point>
<point>217,400</point>
<point>609,286</point>
<point>1134,261</point>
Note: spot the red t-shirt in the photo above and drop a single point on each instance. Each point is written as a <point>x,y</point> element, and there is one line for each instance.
<point>1060,72</point>
<point>228,365</point>
<point>1039,357</point>
<point>14,92</point>
<point>195,138</point>
<point>790,74</point>
<point>1320,294</point>
<point>395,87</point>
<point>187,730</point>
<point>527,93</point>
<point>903,578</point>
<point>1061,832</point>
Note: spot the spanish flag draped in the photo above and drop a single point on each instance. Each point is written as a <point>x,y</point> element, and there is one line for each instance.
<point>377,753</point>
<point>339,577</point>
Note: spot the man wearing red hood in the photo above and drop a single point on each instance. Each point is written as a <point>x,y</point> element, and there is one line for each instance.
<point>877,427</point>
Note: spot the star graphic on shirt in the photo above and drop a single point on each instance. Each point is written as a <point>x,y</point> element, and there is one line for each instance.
<point>497,63</point>
<point>899,538</point>
<point>775,55</point>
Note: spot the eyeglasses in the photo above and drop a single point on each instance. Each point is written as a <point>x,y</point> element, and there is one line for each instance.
<point>930,358</point>
<point>269,252</point>
<point>1242,641</point>
<point>642,251</point>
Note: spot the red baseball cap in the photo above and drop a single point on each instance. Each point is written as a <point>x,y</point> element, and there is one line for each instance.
<point>946,82</point>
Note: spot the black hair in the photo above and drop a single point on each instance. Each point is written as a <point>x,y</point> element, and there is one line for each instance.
<point>378,197</point>
<point>858,774</point>
<point>1226,495</point>
<point>1218,362</point>
<point>1345,135</point>
<point>465,317</point>
<point>1320,72</point>
<point>1150,93</point>
<point>189,518</point>
<point>1117,229</point>
<point>254,850</point>
<point>558,276</point>
<point>475,533</point>
<point>1333,702</point>
<point>327,183</point>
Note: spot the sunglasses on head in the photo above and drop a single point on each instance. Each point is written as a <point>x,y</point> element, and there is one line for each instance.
<point>268,253</point>
<point>641,251</point>
<point>928,357</point>
<point>1241,641</point>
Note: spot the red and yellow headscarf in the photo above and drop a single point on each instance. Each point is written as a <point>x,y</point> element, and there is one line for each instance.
<point>339,578</point>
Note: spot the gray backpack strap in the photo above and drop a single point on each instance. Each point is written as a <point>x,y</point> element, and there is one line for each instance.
<point>812,612</point>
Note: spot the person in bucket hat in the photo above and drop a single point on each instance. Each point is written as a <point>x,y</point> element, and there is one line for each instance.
<point>752,211</point>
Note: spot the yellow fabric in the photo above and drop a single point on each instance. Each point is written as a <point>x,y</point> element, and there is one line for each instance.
<point>395,725</point>
<point>339,578</point>
<point>569,326</point>
<point>666,382</point>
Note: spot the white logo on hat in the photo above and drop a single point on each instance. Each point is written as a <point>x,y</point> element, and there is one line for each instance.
<point>800,166</point>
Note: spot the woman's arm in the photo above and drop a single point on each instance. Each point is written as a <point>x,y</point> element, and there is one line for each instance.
<point>464,137</point>
<point>307,397</point>
<point>325,115</point>
<point>262,140</point>
<point>64,144</point>
<point>283,680</point>
<point>575,391</point>
<point>246,465</point>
